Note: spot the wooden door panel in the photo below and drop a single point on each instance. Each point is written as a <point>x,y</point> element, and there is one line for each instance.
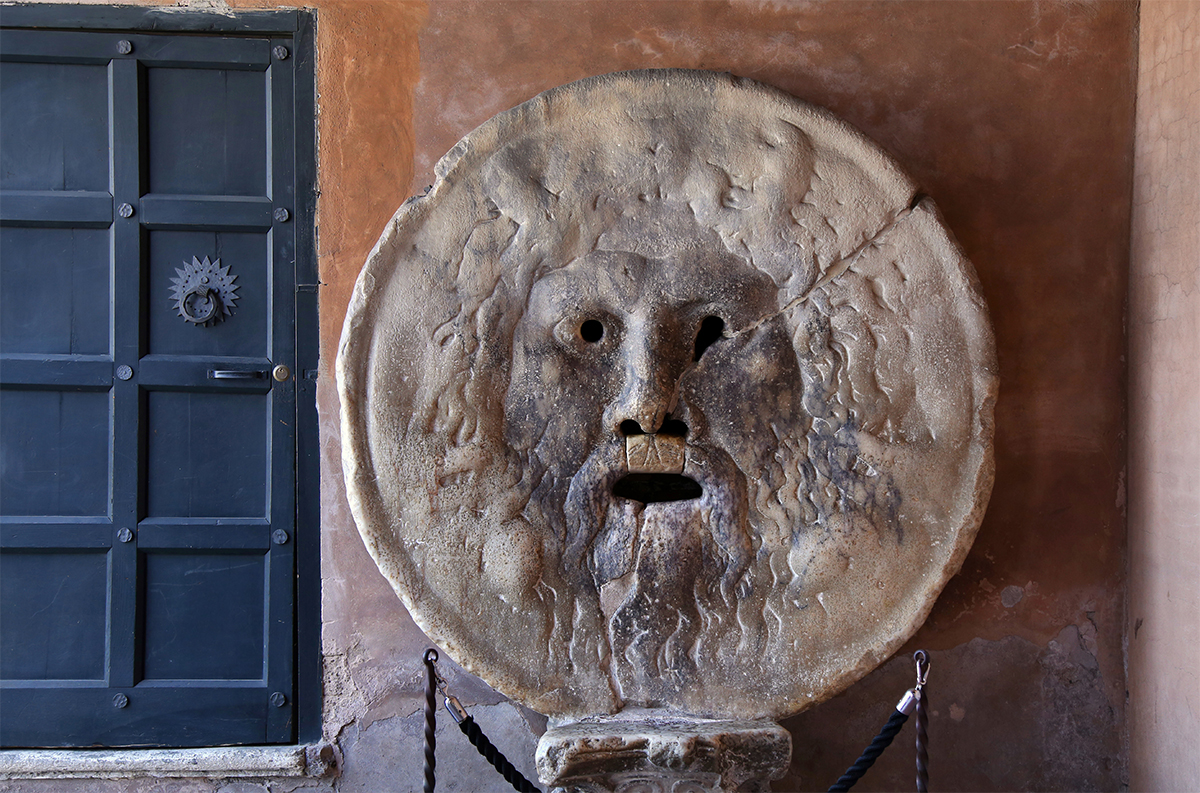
<point>56,132</point>
<point>56,295</point>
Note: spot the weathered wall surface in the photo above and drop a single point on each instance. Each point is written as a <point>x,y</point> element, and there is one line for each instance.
<point>1164,460</point>
<point>1018,119</point>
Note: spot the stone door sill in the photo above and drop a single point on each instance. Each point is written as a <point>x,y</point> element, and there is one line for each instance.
<point>311,760</point>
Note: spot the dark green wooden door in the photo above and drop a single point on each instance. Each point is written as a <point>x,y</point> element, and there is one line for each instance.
<point>147,389</point>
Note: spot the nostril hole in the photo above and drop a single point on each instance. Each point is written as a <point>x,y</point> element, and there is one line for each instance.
<point>591,331</point>
<point>631,427</point>
<point>710,331</point>
<point>673,427</point>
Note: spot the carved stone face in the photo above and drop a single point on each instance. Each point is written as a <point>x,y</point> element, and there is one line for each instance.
<point>602,352</point>
<point>667,395</point>
<point>631,382</point>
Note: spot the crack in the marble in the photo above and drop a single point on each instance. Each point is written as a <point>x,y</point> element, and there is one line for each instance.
<point>835,270</point>
<point>832,273</point>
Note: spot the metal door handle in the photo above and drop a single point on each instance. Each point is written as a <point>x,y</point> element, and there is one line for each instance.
<point>236,374</point>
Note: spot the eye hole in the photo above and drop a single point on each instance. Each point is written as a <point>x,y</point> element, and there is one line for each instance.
<point>710,332</point>
<point>591,331</point>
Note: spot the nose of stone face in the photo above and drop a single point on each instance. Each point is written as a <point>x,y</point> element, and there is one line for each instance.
<point>643,403</point>
<point>653,361</point>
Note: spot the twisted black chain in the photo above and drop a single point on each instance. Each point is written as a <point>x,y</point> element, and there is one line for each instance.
<point>921,659</point>
<point>431,655</point>
<point>882,741</point>
<point>914,697</point>
<point>469,728</point>
<point>495,757</point>
<point>922,722</point>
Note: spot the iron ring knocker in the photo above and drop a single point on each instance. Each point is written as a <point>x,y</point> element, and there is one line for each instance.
<point>200,293</point>
<point>204,293</point>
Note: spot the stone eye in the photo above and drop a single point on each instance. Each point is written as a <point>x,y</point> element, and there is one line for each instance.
<point>591,331</point>
<point>710,332</point>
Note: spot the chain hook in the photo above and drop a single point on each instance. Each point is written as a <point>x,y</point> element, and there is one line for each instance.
<point>923,663</point>
<point>431,659</point>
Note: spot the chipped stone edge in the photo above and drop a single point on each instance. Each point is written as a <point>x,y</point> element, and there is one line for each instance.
<point>312,760</point>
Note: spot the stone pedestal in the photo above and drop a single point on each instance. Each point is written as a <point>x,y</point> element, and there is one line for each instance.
<point>653,754</point>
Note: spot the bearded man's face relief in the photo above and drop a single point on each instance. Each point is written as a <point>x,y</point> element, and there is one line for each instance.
<point>670,394</point>
<point>632,386</point>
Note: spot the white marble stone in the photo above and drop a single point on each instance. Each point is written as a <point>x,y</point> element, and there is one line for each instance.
<point>672,393</point>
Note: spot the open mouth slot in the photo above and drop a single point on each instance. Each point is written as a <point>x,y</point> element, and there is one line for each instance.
<point>657,488</point>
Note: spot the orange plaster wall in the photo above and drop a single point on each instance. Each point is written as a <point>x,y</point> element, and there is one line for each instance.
<point>368,64</point>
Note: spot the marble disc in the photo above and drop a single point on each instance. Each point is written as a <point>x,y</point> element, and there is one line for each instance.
<point>673,392</point>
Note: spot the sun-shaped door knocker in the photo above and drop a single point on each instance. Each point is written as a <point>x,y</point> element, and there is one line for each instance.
<point>204,292</point>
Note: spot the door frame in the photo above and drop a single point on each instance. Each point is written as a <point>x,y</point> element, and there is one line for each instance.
<point>301,24</point>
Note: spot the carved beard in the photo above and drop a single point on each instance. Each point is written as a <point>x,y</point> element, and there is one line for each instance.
<point>665,573</point>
